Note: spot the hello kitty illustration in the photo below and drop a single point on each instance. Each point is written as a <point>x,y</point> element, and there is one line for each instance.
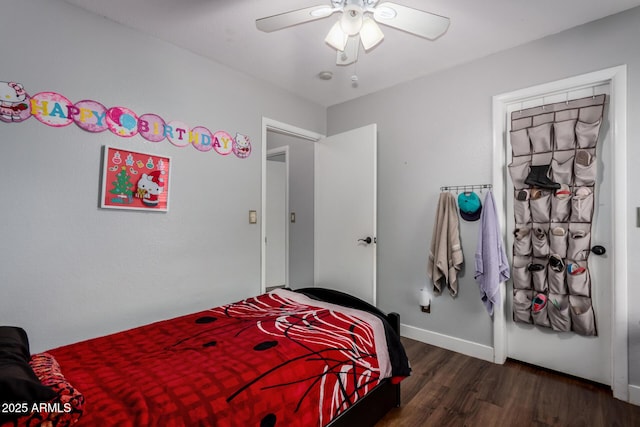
<point>13,102</point>
<point>150,187</point>
<point>241,146</point>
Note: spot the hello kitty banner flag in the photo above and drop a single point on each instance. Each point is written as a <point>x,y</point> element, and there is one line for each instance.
<point>53,109</point>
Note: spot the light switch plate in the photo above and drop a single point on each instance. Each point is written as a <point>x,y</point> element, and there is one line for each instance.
<point>293,217</point>
<point>253,217</point>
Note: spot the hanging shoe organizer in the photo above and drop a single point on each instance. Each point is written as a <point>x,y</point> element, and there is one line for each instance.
<point>553,171</point>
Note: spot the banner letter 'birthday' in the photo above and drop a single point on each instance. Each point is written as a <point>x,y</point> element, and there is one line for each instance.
<point>55,110</point>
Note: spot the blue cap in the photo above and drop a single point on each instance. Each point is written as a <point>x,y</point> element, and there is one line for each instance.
<point>470,206</point>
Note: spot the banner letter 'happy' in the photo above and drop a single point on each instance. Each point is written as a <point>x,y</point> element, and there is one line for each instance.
<point>55,110</point>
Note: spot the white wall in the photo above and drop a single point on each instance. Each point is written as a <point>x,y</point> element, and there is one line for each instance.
<point>69,270</point>
<point>436,131</point>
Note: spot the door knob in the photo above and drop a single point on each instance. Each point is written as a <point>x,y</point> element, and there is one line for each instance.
<point>598,250</point>
<point>367,240</point>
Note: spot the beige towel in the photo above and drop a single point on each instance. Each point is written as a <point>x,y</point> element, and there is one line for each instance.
<point>445,254</point>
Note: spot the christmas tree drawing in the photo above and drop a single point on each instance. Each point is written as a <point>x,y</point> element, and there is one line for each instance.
<point>122,187</point>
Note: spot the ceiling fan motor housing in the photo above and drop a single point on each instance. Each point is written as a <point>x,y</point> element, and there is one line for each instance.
<point>365,5</point>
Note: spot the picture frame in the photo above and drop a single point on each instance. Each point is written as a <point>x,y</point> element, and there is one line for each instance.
<point>135,180</point>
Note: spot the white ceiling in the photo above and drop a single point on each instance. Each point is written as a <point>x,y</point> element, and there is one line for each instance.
<point>225,31</point>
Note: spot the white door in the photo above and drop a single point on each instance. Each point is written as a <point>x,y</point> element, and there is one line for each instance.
<point>345,212</point>
<point>276,222</point>
<point>585,357</point>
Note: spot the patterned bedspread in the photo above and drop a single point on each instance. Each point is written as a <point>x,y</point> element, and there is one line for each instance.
<point>279,359</point>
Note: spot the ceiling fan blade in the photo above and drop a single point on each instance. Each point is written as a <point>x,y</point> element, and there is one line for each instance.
<point>414,21</point>
<point>295,17</point>
<point>350,53</point>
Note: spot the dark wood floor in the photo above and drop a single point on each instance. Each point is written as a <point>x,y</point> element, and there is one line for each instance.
<point>450,389</point>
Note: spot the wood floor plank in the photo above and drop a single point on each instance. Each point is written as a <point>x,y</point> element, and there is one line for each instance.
<point>450,389</point>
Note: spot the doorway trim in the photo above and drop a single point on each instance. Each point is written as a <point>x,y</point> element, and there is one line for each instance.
<point>285,129</point>
<point>617,78</point>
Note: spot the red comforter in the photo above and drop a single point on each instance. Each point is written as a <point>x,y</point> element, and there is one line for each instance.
<point>279,359</point>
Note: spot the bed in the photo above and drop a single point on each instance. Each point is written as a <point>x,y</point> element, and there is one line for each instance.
<point>310,357</point>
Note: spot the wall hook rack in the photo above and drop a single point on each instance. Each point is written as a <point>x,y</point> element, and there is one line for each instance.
<point>465,188</point>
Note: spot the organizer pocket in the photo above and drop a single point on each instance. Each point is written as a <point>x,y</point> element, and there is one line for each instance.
<point>557,241</point>
<point>540,240</point>
<point>540,159</point>
<point>560,208</point>
<point>587,133</point>
<point>522,240</point>
<point>590,114</point>
<point>539,277</point>
<point>582,317</point>
<point>578,281</point>
<point>540,316</point>
<point>578,241</point>
<point>565,134</point>
<point>540,137</point>
<point>582,205</point>
<point>520,144</point>
<point>521,273</point>
<point>556,281</point>
<point>585,174</point>
<point>558,312</point>
<point>541,207</point>
<point>521,211</point>
<point>522,305</point>
<point>562,167</point>
<point>519,170</point>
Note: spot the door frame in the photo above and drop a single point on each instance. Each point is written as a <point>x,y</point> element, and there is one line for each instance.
<point>617,78</point>
<point>285,129</point>
<point>270,153</point>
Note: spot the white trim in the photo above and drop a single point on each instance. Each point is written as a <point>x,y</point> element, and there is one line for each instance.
<point>617,78</point>
<point>634,394</point>
<point>458,345</point>
<point>286,129</point>
<point>315,207</point>
<point>375,216</point>
<point>277,151</point>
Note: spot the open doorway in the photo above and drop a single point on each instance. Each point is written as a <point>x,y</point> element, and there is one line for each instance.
<point>337,235</point>
<point>276,224</point>
<point>294,148</point>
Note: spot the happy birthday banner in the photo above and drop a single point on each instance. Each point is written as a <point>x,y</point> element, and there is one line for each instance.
<point>55,110</point>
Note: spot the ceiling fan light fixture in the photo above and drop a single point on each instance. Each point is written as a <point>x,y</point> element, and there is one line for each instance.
<point>370,33</point>
<point>351,20</point>
<point>336,38</point>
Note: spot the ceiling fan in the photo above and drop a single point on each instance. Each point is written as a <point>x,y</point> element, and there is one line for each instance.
<point>358,24</point>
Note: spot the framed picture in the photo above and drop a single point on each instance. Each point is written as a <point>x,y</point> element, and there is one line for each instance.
<point>134,180</point>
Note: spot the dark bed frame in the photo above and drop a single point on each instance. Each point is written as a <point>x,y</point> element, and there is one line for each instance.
<point>366,412</point>
<point>375,405</point>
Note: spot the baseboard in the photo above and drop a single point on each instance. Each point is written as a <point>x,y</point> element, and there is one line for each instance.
<point>458,345</point>
<point>634,394</point>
